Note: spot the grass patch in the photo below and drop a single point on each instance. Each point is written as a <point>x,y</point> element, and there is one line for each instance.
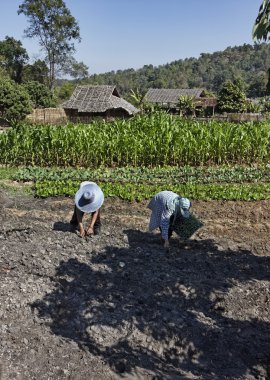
<point>8,185</point>
<point>7,173</point>
<point>12,188</point>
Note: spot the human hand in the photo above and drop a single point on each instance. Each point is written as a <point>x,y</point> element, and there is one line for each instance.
<point>89,231</point>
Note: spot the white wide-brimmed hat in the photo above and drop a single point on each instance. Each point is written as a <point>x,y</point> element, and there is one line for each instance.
<point>89,197</point>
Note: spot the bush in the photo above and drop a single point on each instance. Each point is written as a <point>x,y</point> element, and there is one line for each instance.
<point>232,97</point>
<point>15,102</point>
<point>41,96</point>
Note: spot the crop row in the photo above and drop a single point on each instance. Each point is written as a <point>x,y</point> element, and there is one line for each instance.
<point>138,192</point>
<point>156,140</point>
<point>144,175</point>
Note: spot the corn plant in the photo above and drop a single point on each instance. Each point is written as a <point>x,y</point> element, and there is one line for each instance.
<point>151,140</point>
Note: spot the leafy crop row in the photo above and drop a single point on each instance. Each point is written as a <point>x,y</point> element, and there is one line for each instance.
<point>133,191</point>
<point>156,140</point>
<point>144,175</point>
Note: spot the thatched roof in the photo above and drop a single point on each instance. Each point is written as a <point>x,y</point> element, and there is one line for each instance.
<point>171,95</point>
<point>96,99</point>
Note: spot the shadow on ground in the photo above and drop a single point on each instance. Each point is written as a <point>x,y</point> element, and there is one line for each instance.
<point>172,315</point>
<point>63,226</point>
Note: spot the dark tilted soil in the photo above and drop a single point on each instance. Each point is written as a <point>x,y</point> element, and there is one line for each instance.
<point>116,306</point>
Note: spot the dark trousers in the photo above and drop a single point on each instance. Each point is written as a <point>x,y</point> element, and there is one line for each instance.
<point>74,220</point>
<point>170,230</point>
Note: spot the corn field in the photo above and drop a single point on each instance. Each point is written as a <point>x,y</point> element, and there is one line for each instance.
<point>156,140</point>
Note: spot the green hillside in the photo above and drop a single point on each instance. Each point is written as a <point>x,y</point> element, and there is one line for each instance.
<point>248,62</point>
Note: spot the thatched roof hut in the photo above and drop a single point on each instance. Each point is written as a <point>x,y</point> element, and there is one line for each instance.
<point>169,97</point>
<point>105,101</point>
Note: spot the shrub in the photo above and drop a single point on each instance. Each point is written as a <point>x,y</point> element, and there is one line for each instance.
<point>15,102</point>
<point>232,97</point>
<point>41,96</point>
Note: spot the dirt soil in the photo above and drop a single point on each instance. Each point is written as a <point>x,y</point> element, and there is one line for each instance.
<point>116,306</point>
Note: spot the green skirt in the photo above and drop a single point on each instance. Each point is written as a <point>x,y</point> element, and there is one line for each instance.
<point>186,227</point>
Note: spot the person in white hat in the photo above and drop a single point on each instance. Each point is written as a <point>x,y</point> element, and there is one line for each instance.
<point>88,199</point>
<point>166,206</point>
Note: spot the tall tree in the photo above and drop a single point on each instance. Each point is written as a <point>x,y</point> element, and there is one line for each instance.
<point>77,70</point>
<point>12,58</point>
<point>56,29</point>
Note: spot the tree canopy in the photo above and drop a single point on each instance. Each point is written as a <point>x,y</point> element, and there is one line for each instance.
<point>40,95</point>
<point>12,58</point>
<point>56,29</point>
<point>261,28</point>
<point>15,102</point>
<point>77,70</point>
<point>232,97</point>
<point>249,63</point>
<point>37,71</point>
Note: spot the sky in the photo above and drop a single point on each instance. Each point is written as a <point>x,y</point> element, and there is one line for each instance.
<point>124,34</point>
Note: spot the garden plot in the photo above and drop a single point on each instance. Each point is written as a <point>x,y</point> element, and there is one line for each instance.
<point>116,306</point>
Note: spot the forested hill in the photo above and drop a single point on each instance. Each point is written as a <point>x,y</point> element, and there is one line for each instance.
<point>248,62</point>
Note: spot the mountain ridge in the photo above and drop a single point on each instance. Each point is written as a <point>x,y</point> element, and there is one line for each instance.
<point>249,63</point>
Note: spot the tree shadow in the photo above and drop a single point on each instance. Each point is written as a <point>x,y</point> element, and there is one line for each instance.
<point>138,308</point>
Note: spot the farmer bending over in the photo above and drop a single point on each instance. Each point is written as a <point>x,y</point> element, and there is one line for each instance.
<point>88,199</point>
<point>166,206</point>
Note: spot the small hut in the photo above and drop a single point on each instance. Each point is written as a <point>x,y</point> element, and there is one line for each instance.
<point>88,102</point>
<point>168,98</point>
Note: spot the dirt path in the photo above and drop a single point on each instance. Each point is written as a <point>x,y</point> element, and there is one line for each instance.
<point>117,307</point>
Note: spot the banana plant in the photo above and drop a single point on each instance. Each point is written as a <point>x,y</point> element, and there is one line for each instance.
<point>186,105</point>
